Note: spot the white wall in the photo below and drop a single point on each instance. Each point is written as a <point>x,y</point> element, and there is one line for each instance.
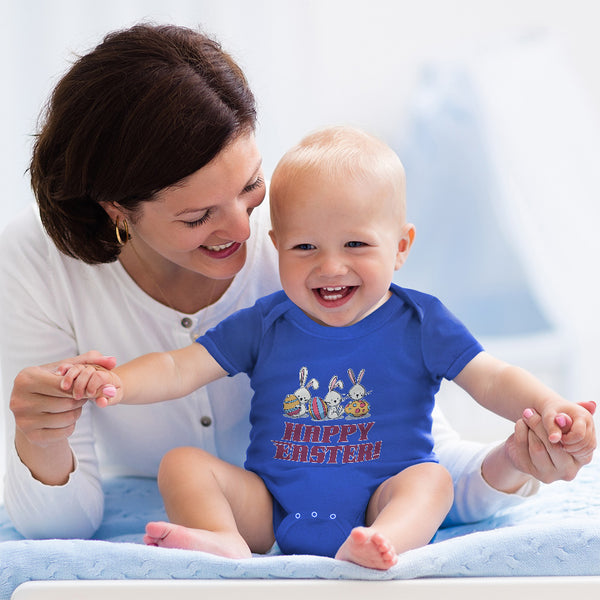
<point>311,62</point>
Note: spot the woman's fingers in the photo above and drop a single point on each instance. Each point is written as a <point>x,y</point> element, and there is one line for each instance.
<point>45,427</point>
<point>531,453</point>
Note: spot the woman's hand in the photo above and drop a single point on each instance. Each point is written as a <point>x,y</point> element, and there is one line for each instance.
<point>527,453</point>
<point>44,412</point>
<point>45,417</point>
<point>532,453</point>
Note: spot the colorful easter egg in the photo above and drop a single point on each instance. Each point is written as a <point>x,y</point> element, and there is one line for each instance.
<point>317,408</point>
<point>291,405</point>
<point>357,408</point>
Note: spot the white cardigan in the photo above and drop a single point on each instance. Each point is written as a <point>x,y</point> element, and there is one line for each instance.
<point>54,307</point>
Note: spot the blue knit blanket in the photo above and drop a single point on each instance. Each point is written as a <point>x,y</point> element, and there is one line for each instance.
<point>556,532</point>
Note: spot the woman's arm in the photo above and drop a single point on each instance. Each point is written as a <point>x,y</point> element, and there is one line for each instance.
<point>45,417</point>
<point>474,497</point>
<point>51,487</point>
<point>52,483</point>
<point>490,477</point>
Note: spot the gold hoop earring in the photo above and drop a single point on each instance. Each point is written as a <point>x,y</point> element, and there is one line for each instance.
<point>125,232</point>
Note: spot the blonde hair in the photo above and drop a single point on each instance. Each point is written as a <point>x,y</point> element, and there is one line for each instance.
<point>340,151</point>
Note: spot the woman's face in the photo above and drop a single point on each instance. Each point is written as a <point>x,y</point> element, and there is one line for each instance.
<point>202,224</point>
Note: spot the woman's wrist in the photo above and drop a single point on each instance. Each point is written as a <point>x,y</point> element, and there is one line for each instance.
<point>50,465</point>
<point>499,471</point>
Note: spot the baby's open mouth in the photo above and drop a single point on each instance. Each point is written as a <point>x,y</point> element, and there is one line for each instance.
<point>333,294</point>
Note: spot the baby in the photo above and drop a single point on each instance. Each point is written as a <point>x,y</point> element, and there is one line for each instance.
<point>344,366</point>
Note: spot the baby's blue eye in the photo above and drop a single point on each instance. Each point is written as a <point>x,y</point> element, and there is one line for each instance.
<point>355,244</point>
<point>304,247</point>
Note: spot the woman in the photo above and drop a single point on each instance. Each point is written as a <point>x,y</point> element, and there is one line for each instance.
<point>149,184</point>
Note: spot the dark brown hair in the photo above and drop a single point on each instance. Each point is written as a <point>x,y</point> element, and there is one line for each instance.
<point>146,108</point>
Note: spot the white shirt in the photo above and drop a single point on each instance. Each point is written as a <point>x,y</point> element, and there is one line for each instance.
<point>53,307</point>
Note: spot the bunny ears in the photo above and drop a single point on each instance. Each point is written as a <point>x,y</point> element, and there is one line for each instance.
<point>353,379</point>
<point>304,376</point>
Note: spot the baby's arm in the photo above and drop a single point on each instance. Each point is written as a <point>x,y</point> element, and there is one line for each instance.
<point>509,391</point>
<point>150,378</point>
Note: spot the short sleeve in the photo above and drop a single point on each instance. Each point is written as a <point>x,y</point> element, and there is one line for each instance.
<point>447,344</point>
<point>235,341</point>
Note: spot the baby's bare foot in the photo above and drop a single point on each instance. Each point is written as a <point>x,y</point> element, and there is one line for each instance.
<point>169,535</point>
<point>368,548</point>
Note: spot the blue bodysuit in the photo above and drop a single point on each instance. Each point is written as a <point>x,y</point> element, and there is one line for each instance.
<point>338,410</point>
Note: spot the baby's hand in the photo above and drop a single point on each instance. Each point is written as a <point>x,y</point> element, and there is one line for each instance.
<point>90,381</point>
<point>565,422</point>
<point>572,427</point>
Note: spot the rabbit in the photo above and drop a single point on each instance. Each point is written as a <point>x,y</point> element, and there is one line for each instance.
<point>302,392</point>
<point>357,391</point>
<point>333,399</point>
<point>358,407</point>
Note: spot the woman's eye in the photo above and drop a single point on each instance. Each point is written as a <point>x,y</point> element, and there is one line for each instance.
<point>254,185</point>
<point>203,219</point>
<point>355,244</point>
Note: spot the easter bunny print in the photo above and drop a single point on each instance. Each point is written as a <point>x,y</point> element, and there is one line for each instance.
<point>357,407</point>
<point>333,399</point>
<point>296,404</point>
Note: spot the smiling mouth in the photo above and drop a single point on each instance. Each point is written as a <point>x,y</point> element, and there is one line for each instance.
<point>220,247</point>
<point>333,296</point>
<point>221,250</point>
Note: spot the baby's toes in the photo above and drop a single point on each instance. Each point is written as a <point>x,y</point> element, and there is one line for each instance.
<point>381,543</point>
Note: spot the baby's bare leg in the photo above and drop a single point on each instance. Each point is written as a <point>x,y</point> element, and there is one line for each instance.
<point>404,513</point>
<point>213,506</point>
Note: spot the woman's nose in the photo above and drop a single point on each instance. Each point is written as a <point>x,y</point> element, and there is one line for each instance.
<point>236,223</point>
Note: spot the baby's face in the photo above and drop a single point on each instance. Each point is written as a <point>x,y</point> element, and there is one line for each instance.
<point>339,243</point>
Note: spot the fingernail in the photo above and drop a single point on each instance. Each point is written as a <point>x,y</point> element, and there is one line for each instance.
<point>561,420</point>
<point>527,413</point>
<point>110,391</point>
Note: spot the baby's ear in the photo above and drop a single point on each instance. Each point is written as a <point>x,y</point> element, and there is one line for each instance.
<point>273,238</point>
<point>404,245</point>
